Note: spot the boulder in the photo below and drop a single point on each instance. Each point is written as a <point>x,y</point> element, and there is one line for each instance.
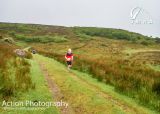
<point>20,52</point>
<point>8,40</point>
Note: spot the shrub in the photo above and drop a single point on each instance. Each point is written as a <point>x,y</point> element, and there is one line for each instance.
<point>41,39</point>
<point>84,37</point>
<point>28,55</point>
<point>156,87</point>
<point>14,72</point>
<point>113,34</point>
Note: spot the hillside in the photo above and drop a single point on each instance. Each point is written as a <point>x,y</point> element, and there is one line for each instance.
<point>110,66</point>
<point>29,30</point>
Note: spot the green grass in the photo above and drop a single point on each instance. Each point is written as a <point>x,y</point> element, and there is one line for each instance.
<point>110,90</point>
<point>84,37</point>
<point>114,34</point>
<point>77,95</point>
<point>155,67</point>
<point>21,44</point>
<point>40,39</point>
<point>82,95</point>
<point>119,69</point>
<point>40,93</point>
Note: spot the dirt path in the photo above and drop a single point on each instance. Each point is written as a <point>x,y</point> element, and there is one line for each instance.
<point>56,93</point>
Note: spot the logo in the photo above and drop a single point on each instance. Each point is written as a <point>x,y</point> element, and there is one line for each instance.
<point>138,15</point>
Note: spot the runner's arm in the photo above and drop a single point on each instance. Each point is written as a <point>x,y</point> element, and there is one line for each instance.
<point>72,57</point>
<point>65,57</point>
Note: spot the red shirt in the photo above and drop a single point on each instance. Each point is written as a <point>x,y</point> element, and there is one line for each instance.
<point>69,55</point>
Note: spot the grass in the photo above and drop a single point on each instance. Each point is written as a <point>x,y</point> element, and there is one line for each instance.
<point>127,78</point>
<point>110,90</point>
<point>87,97</point>
<point>40,39</point>
<point>155,67</point>
<point>15,72</point>
<point>85,100</point>
<point>34,95</point>
<point>21,44</point>
<point>114,34</point>
<point>99,51</point>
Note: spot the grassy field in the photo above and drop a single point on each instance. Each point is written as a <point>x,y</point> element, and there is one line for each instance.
<point>89,92</point>
<point>119,63</point>
<point>123,62</point>
<point>33,95</point>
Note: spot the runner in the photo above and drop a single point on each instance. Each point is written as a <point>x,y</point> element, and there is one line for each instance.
<point>69,58</point>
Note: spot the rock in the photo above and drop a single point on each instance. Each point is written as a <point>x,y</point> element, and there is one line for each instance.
<point>20,52</point>
<point>8,40</point>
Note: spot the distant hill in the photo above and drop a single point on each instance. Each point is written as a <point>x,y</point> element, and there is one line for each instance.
<point>16,29</point>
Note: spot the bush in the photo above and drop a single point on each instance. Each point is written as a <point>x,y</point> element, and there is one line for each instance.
<point>14,72</point>
<point>156,87</point>
<point>41,39</point>
<point>28,55</point>
<point>84,37</point>
<point>113,34</point>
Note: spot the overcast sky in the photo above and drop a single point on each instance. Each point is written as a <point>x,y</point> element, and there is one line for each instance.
<point>98,13</point>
